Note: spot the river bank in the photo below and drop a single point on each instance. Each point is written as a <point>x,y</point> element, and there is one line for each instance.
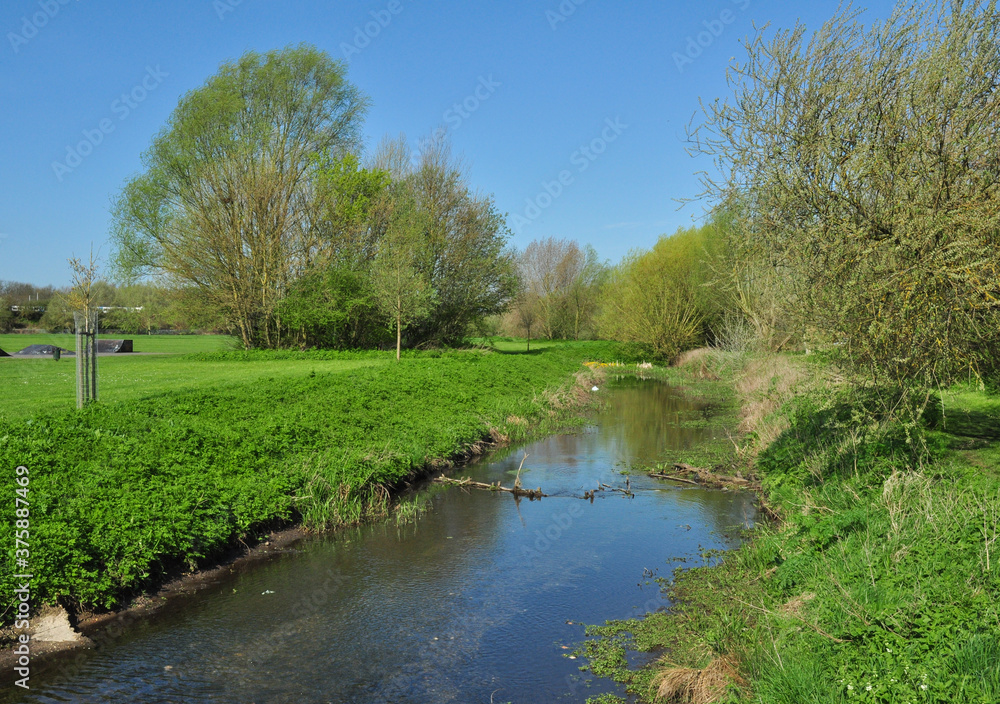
<point>127,497</point>
<point>478,595</point>
<point>876,582</point>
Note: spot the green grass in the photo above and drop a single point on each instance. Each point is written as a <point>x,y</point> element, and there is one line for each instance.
<point>516,344</point>
<point>33,386</point>
<point>127,492</point>
<point>881,583</point>
<point>169,344</point>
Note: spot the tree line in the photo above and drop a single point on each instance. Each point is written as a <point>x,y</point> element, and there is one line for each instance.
<point>255,198</point>
<point>855,206</point>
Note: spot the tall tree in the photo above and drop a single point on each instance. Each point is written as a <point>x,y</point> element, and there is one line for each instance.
<point>468,261</point>
<point>227,202</point>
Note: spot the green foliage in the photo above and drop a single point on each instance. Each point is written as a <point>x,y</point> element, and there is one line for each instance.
<point>468,262</point>
<point>332,308</point>
<point>6,315</point>
<point>658,301</point>
<point>348,197</point>
<point>856,157</point>
<point>227,201</point>
<point>127,492</point>
<point>402,288</point>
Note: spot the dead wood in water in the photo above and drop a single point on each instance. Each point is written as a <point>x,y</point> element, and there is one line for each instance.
<point>702,477</point>
<point>469,484</point>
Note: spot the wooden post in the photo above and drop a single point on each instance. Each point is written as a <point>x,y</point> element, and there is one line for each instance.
<point>86,357</point>
<point>93,355</point>
<point>80,354</point>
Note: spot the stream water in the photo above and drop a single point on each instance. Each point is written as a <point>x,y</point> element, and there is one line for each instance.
<point>481,599</point>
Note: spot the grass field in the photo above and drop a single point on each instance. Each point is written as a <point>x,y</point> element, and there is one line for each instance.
<point>187,454</point>
<point>34,386</point>
<point>172,344</point>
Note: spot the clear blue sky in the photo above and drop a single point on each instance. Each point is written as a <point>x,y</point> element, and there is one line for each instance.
<point>555,78</point>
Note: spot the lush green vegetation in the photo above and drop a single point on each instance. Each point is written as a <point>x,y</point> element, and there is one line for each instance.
<point>877,582</point>
<point>124,492</point>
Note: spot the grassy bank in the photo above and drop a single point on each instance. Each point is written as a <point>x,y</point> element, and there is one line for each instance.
<point>123,493</point>
<point>878,582</point>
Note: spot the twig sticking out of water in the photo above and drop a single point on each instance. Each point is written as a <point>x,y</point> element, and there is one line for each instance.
<point>517,479</point>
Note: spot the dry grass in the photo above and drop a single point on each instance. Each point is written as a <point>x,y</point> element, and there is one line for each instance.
<point>764,385</point>
<point>692,686</point>
<point>796,605</point>
<point>697,362</point>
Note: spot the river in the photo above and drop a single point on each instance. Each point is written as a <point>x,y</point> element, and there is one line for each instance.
<point>480,599</point>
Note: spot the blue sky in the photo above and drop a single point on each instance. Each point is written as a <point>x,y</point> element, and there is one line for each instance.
<point>577,108</point>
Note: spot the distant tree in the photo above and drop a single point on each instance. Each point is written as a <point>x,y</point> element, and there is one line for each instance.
<point>227,203</point>
<point>6,315</point>
<point>139,308</point>
<point>525,311</point>
<point>565,283</point>
<point>584,294</point>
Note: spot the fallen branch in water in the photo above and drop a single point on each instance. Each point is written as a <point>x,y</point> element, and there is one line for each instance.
<point>702,477</point>
<point>469,484</point>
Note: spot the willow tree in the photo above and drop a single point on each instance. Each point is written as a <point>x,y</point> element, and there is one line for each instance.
<point>227,202</point>
<point>865,161</point>
<point>655,301</point>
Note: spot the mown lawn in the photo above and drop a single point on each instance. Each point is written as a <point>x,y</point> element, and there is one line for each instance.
<point>170,344</point>
<point>34,386</point>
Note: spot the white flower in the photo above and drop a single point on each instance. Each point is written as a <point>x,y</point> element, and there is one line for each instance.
<point>868,688</point>
<point>923,686</point>
<point>850,687</point>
